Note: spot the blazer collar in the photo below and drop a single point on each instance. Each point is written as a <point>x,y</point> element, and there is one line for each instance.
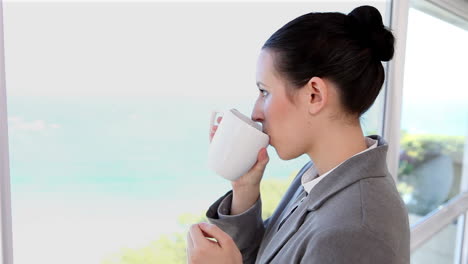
<point>369,164</point>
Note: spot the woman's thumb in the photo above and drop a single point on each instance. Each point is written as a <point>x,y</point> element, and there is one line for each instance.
<point>215,232</point>
<point>262,159</point>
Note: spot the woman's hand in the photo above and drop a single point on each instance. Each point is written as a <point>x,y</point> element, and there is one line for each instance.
<point>253,177</point>
<point>246,189</point>
<point>214,128</point>
<point>201,250</point>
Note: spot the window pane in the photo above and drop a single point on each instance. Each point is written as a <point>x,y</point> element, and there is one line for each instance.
<point>109,106</point>
<point>434,114</point>
<point>440,249</point>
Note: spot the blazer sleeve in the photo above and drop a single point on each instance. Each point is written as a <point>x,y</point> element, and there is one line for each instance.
<point>349,245</point>
<point>246,229</point>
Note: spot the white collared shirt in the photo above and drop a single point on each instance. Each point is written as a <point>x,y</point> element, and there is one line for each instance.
<point>309,180</point>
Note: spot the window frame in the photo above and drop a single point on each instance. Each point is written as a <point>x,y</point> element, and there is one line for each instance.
<point>6,242</point>
<point>394,85</point>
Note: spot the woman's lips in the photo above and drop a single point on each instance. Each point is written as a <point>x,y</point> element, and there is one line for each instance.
<point>269,137</point>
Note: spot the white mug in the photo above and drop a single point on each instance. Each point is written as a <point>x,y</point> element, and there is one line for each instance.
<point>234,147</point>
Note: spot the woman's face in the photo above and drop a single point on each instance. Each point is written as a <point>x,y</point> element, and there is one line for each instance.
<point>285,122</point>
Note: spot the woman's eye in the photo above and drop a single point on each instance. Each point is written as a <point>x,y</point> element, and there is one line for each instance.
<point>263,92</point>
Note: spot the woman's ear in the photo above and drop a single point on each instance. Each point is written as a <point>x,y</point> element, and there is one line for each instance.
<point>317,93</point>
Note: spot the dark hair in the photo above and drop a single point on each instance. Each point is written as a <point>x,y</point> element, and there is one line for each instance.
<point>345,49</point>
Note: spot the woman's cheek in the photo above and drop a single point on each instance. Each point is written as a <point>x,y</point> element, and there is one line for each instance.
<point>266,104</point>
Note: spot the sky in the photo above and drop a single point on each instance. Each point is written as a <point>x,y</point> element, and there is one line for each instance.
<point>205,50</point>
<point>148,48</point>
<point>435,63</point>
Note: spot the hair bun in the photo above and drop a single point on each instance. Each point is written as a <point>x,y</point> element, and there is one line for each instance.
<point>366,24</point>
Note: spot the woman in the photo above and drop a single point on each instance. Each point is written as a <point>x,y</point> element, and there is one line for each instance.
<point>316,76</point>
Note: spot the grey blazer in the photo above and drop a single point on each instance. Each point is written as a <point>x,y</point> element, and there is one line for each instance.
<point>354,215</point>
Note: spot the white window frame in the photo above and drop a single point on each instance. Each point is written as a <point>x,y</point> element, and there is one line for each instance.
<point>394,85</point>
<point>6,242</point>
<point>456,7</point>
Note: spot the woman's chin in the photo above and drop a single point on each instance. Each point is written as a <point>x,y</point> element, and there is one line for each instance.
<point>282,154</point>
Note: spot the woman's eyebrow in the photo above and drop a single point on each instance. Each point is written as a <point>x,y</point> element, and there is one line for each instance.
<point>260,83</point>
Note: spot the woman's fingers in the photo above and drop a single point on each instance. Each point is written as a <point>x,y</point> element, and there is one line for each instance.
<point>263,156</point>
<point>215,232</point>
<point>198,239</point>
<point>204,250</point>
<point>215,127</point>
<point>212,132</point>
<point>254,176</point>
<point>262,160</point>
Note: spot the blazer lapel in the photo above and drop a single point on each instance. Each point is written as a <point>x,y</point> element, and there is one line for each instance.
<point>366,165</point>
<point>285,233</point>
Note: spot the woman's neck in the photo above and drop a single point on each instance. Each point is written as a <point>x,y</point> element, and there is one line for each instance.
<point>336,145</point>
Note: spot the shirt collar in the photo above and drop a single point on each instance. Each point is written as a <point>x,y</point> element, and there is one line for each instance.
<point>310,177</point>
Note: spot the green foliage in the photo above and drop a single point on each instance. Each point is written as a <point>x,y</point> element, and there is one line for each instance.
<point>416,149</point>
<point>170,249</point>
<point>272,191</point>
<point>405,191</point>
<point>186,219</point>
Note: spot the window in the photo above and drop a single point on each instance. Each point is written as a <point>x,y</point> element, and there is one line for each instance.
<point>434,123</point>
<point>109,106</point>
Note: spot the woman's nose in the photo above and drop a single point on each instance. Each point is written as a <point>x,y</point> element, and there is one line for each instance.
<point>257,115</point>
<point>256,118</point>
